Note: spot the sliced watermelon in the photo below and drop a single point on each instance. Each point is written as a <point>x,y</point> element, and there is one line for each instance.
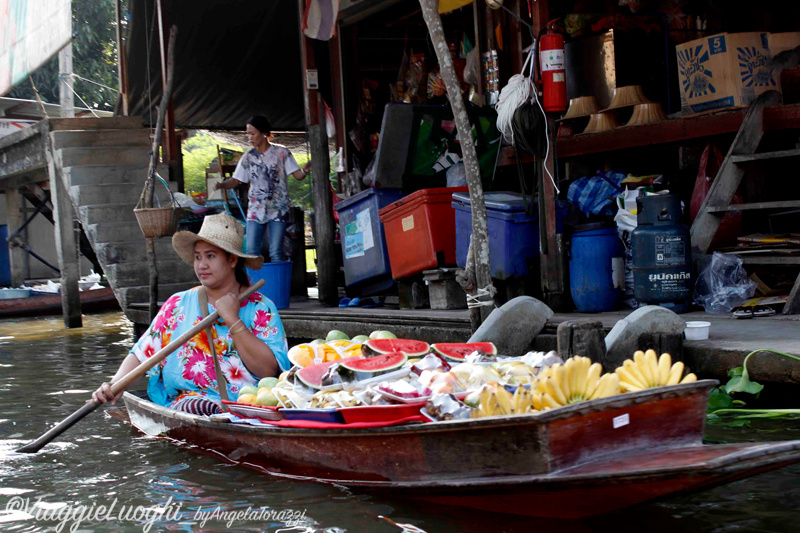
<point>358,368</point>
<point>312,375</point>
<point>458,351</point>
<point>409,347</point>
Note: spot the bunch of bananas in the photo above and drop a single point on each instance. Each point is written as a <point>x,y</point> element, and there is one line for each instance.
<point>577,380</point>
<point>495,400</point>
<point>646,371</point>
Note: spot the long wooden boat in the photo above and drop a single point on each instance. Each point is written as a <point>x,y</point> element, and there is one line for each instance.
<point>96,300</point>
<point>581,460</point>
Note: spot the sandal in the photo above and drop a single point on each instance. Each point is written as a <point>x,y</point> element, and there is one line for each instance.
<point>370,302</point>
<point>763,310</point>
<point>743,312</point>
<point>344,302</point>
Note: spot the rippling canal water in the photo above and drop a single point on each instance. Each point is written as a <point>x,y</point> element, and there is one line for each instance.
<point>46,372</point>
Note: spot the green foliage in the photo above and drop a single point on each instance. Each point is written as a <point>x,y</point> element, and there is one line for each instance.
<point>94,57</point>
<point>198,152</point>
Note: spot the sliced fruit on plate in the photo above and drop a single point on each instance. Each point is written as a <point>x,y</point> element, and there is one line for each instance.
<point>312,375</point>
<point>409,347</point>
<point>359,368</point>
<point>458,351</point>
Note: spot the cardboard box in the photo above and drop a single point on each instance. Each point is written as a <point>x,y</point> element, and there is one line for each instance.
<point>724,70</point>
<point>780,42</point>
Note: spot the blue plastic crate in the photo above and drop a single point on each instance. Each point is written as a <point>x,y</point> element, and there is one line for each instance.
<point>364,252</point>
<point>513,235</point>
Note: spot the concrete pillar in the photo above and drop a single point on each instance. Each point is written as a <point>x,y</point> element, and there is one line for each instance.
<point>16,254</point>
<point>66,97</point>
<point>66,245</point>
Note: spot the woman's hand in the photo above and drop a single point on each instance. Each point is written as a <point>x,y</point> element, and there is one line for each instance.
<point>228,308</point>
<point>103,394</point>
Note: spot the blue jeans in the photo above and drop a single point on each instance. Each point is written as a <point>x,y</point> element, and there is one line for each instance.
<point>254,238</point>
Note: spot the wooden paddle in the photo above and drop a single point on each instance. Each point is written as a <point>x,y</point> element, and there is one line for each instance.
<point>130,378</point>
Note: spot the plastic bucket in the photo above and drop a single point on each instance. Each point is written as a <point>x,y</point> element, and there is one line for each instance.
<point>596,269</point>
<point>278,282</point>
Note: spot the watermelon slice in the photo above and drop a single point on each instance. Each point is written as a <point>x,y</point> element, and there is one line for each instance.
<point>359,368</point>
<point>409,347</point>
<point>312,375</point>
<point>458,351</point>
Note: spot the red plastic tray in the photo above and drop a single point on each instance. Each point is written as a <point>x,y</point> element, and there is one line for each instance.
<point>380,413</point>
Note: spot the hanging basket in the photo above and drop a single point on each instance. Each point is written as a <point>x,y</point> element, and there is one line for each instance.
<point>157,221</point>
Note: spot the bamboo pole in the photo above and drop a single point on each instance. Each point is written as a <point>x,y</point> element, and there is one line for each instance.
<point>483,295</point>
<point>150,248</point>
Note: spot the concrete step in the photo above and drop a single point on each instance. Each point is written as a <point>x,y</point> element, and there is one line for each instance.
<point>129,295</point>
<point>110,253</point>
<point>113,232</point>
<point>112,193</point>
<point>78,157</point>
<point>106,123</point>
<point>110,174</point>
<point>98,214</point>
<point>135,274</point>
<point>93,138</point>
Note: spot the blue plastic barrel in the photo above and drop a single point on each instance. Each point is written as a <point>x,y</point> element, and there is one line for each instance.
<point>5,265</point>
<point>596,268</point>
<point>278,282</point>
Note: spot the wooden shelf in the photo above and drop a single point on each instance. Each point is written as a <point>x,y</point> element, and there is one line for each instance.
<point>666,132</point>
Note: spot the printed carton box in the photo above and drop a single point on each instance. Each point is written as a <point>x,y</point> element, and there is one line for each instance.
<point>724,70</point>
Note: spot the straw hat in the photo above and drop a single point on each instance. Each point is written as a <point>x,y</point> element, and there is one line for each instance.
<point>220,230</point>
<point>647,114</point>
<point>626,96</point>
<point>600,122</point>
<point>581,107</point>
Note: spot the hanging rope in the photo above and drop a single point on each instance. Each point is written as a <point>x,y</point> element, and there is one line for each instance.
<point>63,76</point>
<point>474,300</point>
<point>38,98</point>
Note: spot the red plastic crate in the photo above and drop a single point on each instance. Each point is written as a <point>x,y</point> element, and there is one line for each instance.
<point>420,228</point>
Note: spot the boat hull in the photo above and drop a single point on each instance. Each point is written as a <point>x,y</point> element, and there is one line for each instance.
<point>606,454</point>
<point>96,300</point>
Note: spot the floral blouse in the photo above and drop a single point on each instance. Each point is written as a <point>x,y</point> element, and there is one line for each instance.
<point>190,368</point>
<point>266,173</point>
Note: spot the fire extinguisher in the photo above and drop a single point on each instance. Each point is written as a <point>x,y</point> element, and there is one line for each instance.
<point>553,73</point>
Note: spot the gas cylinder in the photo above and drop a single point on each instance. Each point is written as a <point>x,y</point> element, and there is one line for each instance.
<point>554,81</point>
<point>662,254</point>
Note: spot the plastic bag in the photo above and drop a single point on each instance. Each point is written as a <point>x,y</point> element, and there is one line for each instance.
<point>457,175</point>
<point>730,226</point>
<point>723,284</point>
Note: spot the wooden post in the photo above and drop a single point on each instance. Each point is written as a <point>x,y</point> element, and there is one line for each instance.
<point>66,245</point>
<point>480,236</point>
<point>16,254</point>
<point>324,228</point>
<point>323,215</point>
<point>122,67</point>
<point>337,104</point>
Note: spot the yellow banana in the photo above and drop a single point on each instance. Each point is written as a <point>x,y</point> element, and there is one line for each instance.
<point>548,402</point>
<point>582,372</point>
<point>554,391</point>
<point>675,374</point>
<point>608,386</point>
<point>503,401</point>
<point>689,378</point>
<point>651,358</point>
<point>633,368</point>
<point>536,401</point>
<point>627,377</point>
<point>571,381</point>
<point>664,366</point>
<point>641,363</point>
<point>628,387</point>
<point>592,379</point>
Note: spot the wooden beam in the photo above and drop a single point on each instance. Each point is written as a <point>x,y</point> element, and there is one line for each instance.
<point>122,67</point>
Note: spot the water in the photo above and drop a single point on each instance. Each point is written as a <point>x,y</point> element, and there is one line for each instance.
<point>46,372</point>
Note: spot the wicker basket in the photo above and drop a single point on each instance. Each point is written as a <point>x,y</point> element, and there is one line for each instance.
<point>157,221</point>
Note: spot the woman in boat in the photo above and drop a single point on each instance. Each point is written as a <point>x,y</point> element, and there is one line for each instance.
<point>248,339</point>
<point>265,168</point>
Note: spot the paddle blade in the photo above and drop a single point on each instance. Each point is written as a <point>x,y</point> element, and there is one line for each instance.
<point>58,429</point>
